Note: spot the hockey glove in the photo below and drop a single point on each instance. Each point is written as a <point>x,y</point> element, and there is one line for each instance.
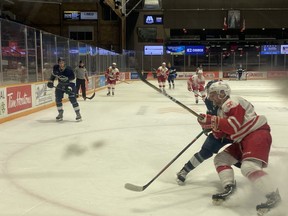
<point>50,84</point>
<point>209,121</point>
<point>205,121</point>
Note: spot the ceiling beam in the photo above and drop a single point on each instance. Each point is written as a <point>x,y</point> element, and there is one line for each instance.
<point>111,4</point>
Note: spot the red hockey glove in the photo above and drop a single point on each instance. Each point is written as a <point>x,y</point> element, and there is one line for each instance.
<point>209,122</point>
<point>215,123</point>
<point>205,121</point>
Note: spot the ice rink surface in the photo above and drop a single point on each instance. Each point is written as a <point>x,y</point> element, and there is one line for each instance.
<point>71,168</point>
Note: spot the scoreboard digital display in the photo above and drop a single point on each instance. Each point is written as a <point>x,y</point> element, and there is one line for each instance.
<point>175,50</point>
<point>195,50</point>
<point>270,49</point>
<point>153,50</point>
<point>80,15</point>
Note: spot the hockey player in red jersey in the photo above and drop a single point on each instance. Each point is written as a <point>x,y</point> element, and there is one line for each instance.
<point>196,84</point>
<point>162,74</point>
<point>212,144</point>
<point>237,120</point>
<point>112,75</point>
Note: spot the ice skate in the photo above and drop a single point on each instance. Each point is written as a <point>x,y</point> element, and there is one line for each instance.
<point>273,200</point>
<point>78,116</point>
<point>59,117</point>
<point>108,94</point>
<point>112,93</point>
<point>169,86</point>
<point>219,198</point>
<point>196,101</point>
<point>181,176</point>
<point>173,86</point>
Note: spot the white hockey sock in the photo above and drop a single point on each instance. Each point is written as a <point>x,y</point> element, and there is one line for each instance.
<point>264,185</point>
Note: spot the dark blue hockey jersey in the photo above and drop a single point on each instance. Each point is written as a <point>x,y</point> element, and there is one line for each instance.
<point>63,76</point>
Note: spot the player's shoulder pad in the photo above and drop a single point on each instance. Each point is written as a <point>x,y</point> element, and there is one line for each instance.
<point>68,68</point>
<point>56,67</point>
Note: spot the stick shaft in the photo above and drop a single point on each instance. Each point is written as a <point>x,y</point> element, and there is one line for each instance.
<point>142,188</point>
<point>168,96</point>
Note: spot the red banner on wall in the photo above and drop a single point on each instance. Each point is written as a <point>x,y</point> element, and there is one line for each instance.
<point>211,75</point>
<point>277,74</point>
<point>19,98</point>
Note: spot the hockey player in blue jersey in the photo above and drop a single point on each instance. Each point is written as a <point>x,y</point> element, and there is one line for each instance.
<point>171,76</point>
<point>65,76</point>
<point>240,71</point>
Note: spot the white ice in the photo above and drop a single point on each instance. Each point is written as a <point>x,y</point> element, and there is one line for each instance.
<point>74,168</point>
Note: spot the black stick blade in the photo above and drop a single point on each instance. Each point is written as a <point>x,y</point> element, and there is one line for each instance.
<point>134,187</point>
<point>91,97</point>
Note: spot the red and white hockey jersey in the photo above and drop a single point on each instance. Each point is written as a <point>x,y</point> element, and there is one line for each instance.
<point>112,74</point>
<point>238,118</point>
<point>162,71</point>
<point>195,83</point>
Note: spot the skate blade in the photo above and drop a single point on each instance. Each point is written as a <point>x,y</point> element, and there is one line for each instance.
<point>181,183</point>
<point>217,202</point>
<point>262,212</point>
<point>59,120</point>
<point>272,212</point>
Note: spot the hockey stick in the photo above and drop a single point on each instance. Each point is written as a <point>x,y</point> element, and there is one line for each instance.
<point>92,96</point>
<point>124,81</point>
<point>142,188</point>
<point>66,92</point>
<point>167,95</point>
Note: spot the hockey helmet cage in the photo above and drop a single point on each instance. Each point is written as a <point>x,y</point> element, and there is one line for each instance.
<point>219,87</point>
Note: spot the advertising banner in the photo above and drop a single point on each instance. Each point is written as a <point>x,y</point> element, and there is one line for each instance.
<point>134,75</point>
<point>3,102</point>
<point>175,50</point>
<point>195,50</point>
<point>277,74</point>
<point>256,75</point>
<point>18,98</point>
<point>43,94</point>
<point>102,81</point>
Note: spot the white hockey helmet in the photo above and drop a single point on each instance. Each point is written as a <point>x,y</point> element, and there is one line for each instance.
<point>220,87</point>
<point>200,71</point>
<point>114,64</point>
<point>164,63</point>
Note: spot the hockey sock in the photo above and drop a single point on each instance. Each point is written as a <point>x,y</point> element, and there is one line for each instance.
<point>195,161</point>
